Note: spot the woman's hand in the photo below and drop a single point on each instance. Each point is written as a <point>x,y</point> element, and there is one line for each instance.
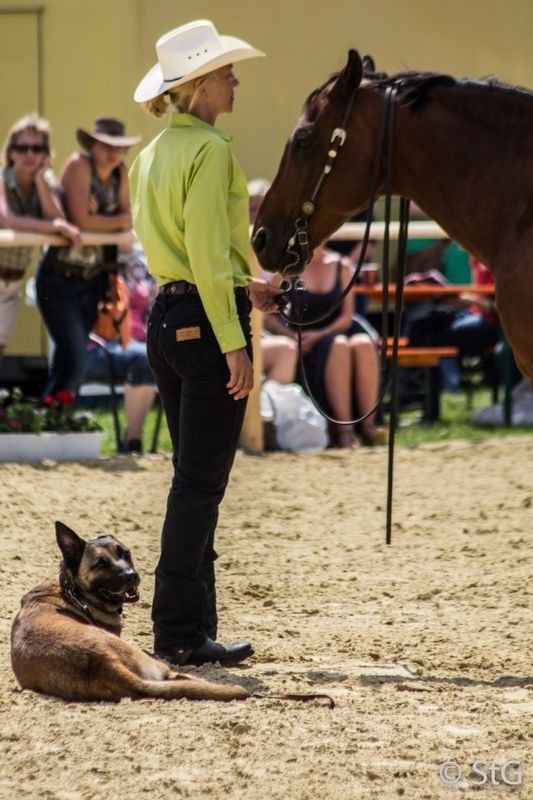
<point>69,231</point>
<point>40,175</point>
<point>241,371</point>
<point>264,296</point>
<point>123,221</point>
<point>309,339</point>
<point>486,304</point>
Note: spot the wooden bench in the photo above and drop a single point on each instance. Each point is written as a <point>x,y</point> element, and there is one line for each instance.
<point>425,376</point>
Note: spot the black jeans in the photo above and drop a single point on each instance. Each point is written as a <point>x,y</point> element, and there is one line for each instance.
<point>68,305</point>
<point>204,423</point>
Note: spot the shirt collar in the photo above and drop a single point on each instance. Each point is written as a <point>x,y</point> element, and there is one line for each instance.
<point>190,121</point>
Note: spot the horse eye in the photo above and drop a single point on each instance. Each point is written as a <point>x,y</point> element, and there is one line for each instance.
<point>303,140</point>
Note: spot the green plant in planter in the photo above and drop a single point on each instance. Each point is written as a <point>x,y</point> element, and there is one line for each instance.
<point>57,413</point>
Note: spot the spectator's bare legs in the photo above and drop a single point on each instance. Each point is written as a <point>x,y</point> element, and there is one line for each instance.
<point>279,355</point>
<point>138,400</point>
<point>337,378</point>
<point>365,369</point>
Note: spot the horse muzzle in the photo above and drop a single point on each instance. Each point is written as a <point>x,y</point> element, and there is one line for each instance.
<point>288,259</point>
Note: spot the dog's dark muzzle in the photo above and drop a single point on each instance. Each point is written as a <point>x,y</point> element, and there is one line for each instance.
<point>123,588</point>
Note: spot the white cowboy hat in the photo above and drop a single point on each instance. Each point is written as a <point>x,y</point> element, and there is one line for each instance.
<point>107,130</point>
<point>189,52</point>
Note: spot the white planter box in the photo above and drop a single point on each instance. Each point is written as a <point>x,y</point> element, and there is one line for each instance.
<point>55,446</point>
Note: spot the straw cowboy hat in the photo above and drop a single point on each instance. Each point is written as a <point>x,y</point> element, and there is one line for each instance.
<point>107,130</point>
<point>189,52</point>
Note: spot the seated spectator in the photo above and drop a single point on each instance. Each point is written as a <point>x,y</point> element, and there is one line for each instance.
<point>351,250</point>
<point>28,202</point>
<point>342,370</point>
<point>469,322</point>
<point>279,356</point>
<point>130,364</point>
<point>69,285</point>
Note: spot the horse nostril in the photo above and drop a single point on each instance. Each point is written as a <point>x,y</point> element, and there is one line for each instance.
<point>260,239</point>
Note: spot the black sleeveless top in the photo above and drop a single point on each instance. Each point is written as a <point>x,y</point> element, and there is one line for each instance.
<point>316,303</point>
<point>108,204</point>
<point>107,198</point>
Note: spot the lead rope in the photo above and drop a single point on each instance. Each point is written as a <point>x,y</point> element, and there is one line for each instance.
<point>298,311</point>
<point>393,404</point>
<point>398,304</point>
<point>338,137</point>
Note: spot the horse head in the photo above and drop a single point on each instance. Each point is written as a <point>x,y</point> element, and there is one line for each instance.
<point>310,196</point>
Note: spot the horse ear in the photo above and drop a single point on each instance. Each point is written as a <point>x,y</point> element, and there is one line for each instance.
<point>352,74</point>
<point>369,66</point>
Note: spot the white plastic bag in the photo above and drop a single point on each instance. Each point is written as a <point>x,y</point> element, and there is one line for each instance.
<point>298,425</point>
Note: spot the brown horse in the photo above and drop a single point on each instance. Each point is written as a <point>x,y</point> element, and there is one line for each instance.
<point>462,150</point>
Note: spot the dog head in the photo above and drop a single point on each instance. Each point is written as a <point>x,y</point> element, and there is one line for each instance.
<point>100,570</point>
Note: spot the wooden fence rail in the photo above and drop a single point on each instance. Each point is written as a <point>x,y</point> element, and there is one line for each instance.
<point>252,437</point>
<point>351,230</point>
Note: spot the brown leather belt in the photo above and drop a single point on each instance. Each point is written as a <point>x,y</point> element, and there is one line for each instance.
<point>184,287</point>
<point>10,275</point>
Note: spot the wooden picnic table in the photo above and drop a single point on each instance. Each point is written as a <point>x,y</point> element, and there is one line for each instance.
<point>414,293</point>
<point>417,293</point>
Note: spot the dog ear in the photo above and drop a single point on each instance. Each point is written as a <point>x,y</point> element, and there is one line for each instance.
<point>70,544</point>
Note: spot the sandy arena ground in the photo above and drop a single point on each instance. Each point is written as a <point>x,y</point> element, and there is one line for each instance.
<point>424,646</point>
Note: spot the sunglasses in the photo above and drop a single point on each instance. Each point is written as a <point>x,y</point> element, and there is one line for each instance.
<point>26,148</point>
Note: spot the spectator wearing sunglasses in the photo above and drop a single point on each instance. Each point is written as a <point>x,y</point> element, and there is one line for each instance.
<point>28,202</point>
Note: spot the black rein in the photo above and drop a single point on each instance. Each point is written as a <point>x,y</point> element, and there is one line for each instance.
<point>384,145</point>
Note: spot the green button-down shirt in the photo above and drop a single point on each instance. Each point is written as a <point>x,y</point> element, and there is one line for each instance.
<point>190,212</point>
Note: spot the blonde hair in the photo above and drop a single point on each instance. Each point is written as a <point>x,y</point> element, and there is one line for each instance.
<point>180,98</point>
<point>31,123</point>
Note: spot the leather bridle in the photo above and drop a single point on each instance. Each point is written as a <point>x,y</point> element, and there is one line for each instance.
<point>384,148</point>
<point>338,137</point>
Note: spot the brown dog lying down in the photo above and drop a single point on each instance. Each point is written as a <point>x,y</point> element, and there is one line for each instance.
<point>66,640</point>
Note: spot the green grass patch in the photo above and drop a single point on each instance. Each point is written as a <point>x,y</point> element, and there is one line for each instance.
<point>105,418</point>
<point>455,424</point>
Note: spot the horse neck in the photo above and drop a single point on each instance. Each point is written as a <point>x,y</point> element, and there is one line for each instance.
<point>463,178</point>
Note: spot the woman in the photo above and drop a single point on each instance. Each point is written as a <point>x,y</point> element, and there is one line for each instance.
<point>190,211</point>
<point>28,202</point>
<point>69,285</point>
<point>342,370</point>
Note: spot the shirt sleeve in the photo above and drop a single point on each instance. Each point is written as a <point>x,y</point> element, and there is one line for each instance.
<point>207,240</point>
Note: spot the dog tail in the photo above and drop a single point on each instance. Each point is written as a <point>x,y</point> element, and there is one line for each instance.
<point>188,687</point>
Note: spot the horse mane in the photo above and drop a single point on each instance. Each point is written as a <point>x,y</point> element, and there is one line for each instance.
<point>414,87</point>
<point>506,109</point>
